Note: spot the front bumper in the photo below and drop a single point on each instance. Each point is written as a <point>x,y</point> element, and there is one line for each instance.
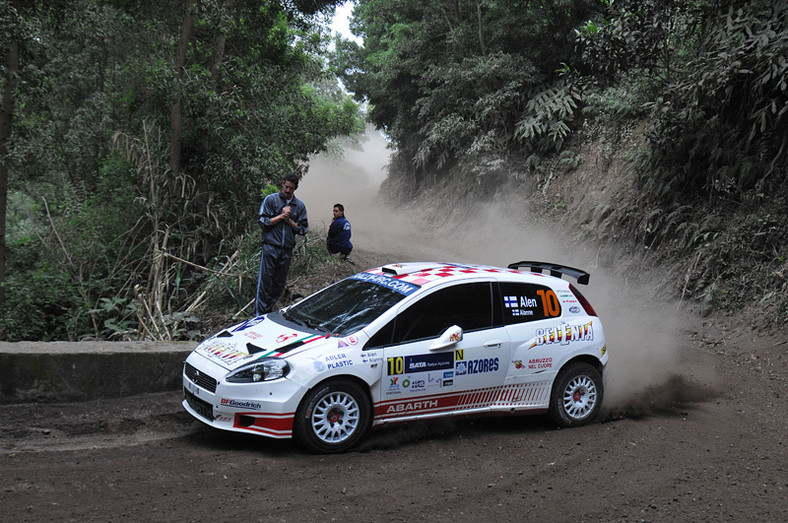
<point>265,408</point>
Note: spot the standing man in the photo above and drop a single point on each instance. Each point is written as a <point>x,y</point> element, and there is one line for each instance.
<point>338,241</point>
<point>282,216</point>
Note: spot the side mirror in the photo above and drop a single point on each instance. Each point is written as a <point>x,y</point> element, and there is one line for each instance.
<point>450,336</point>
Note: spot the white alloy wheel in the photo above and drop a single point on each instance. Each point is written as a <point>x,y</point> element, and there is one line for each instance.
<point>335,417</point>
<point>577,395</point>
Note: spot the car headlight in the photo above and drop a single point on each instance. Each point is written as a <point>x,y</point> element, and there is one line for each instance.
<point>262,370</point>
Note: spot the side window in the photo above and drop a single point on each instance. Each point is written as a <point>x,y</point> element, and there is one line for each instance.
<point>468,305</point>
<point>524,302</point>
<point>382,338</point>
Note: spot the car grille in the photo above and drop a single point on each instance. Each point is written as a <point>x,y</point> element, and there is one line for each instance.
<point>200,378</point>
<point>203,408</point>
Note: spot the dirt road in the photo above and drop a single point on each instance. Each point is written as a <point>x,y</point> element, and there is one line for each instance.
<point>705,438</point>
<point>708,444</point>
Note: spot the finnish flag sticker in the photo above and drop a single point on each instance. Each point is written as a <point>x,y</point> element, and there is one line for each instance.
<point>510,302</point>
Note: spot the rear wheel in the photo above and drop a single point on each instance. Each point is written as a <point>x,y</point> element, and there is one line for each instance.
<point>332,417</point>
<point>577,395</point>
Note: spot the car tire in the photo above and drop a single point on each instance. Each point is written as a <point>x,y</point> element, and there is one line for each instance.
<point>333,417</point>
<point>577,394</point>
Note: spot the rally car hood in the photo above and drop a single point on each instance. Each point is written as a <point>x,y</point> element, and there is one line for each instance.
<point>253,339</point>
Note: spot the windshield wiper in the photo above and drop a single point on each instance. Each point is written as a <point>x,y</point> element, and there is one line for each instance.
<point>317,327</point>
<point>305,323</point>
<point>289,317</point>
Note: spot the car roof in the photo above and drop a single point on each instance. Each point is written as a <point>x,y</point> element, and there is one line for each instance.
<point>425,273</point>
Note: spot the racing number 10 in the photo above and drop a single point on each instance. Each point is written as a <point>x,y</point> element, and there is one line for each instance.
<point>549,303</point>
<point>395,365</point>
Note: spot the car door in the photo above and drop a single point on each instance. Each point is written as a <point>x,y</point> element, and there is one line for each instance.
<point>430,366</point>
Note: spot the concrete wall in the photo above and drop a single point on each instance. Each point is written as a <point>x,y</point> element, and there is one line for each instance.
<point>67,372</point>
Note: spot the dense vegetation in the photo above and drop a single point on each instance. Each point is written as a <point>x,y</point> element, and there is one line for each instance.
<point>487,85</point>
<point>490,91</point>
<point>136,139</point>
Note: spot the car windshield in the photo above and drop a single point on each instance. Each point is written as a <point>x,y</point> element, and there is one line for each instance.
<point>345,307</point>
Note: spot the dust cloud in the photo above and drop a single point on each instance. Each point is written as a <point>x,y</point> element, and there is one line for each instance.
<point>642,330</point>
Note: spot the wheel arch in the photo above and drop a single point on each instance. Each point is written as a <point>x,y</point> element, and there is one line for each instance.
<point>339,377</point>
<point>584,358</point>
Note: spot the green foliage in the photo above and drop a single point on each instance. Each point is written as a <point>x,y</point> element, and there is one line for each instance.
<point>127,242</point>
<point>546,118</point>
<point>713,76</point>
<point>469,84</point>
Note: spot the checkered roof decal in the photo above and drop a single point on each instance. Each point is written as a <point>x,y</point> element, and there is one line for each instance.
<point>437,272</point>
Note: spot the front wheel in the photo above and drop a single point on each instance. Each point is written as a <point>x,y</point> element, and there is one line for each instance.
<point>577,395</point>
<point>332,417</point>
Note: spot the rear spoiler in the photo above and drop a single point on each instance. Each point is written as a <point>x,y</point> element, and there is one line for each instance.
<point>581,276</point>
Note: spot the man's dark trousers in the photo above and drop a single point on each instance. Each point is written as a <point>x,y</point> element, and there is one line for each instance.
<point>274,266</point>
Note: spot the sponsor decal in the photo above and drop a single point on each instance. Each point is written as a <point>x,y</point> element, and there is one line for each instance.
<point>223,353</point>
<point>540,363</point>
<point>284,337</point>
<point>448,374</point>
<point>395,285</point>
<point>459,354</point>
<point>241,404</point>
<point>336,361</point>
<point>564,334</point>
<point>419,363</point>
<point>604,349</point>
<point>427,362</point>
<point>476,366</point>
<point>251,322</point>
<point>518,364</point>
<point>412,406</point>
<point>567,297</point>
<point>418,385</point>
<point>253,335</point>
<point>448,383</point>
<point>434,380</point>
<point>350,340</point>
<point>574,309</point>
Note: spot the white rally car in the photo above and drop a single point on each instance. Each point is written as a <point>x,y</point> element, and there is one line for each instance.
<point>403,342</point>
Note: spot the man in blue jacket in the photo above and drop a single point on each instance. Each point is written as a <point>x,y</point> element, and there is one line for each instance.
<point>282,216</point>
<point>338,241</point>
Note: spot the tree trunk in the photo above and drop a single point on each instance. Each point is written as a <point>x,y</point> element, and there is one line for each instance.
<point>175,107</point>
<point>482,45</point>
<point>6,118</point>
